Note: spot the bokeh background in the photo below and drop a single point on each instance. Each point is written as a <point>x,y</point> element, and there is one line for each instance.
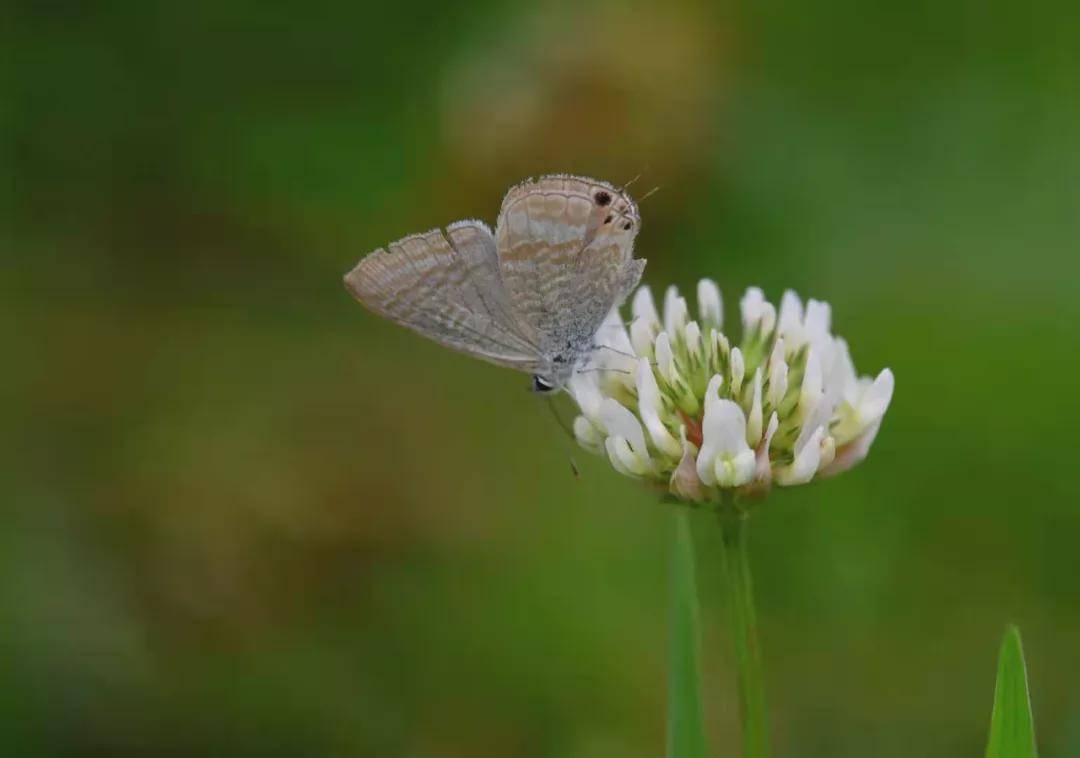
<point>243,516</point>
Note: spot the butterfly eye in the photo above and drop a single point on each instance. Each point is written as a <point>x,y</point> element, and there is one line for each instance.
<point>602,198</point>
<point>541,386</point>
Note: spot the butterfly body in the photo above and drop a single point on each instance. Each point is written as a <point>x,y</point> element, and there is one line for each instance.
<point>532,295</point>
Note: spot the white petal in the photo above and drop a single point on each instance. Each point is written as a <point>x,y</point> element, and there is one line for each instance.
<point>712,392</point>
<point>676,312</point>
<point>853,453</point>
<point>584,388</point>
<point>876,400</point>
<point>768,318</point>
<point>620,455</point>
<point>778,379</point>
<point>735,470</point>
<point>587,435</point>
<point>779,350</point>
<point>828,452</point>
<point>707,454</point>
<point>810,394</point>
<point>738,371</point>
<point>724,428</point>
<point>642,334</point>
<point>757,311</point>
<point>812,376</point>
<point>805,465</point>
<point>644,307</point>
<point>665,359</point>
<point>620,422</point>
<point>753,424</point>
<point>753,300</point>
<point>612,332</point>
<point>710,304</point>
<point>692,335</point>
<point>843,371</point>
<point>838,374</point>
<point>817,325</point>
<point>791,315</point>
<point>723,347</point>
<point>764,464</point>
<point>612,348</point>
<point>685,482</point>
<point>704,465</point>
<point>818,318</point>
<point>868,416</point>
<point>649,407</point>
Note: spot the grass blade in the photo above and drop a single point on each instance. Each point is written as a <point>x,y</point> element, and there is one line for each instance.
<point>686,726</point>
<point>1012,732</point>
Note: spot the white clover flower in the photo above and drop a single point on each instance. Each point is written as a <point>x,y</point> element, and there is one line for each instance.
<point>673,402</point>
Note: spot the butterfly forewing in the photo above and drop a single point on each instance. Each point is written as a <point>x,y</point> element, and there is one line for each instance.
<point>446,286</point>
<point>565,247</point>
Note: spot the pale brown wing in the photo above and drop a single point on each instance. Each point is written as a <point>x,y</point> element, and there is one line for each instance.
<point>446,286</point>
<point>565,247</point>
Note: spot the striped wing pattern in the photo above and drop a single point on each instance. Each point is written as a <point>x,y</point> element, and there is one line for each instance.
<point>445,285</point>
<point>566,256</point>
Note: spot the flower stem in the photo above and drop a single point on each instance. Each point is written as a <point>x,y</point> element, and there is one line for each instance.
<point>743,618</point>
<point>686,726</point>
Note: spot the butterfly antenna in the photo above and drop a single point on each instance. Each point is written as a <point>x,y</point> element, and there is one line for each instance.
<point>623,188</point>
<point>604,368</point>
<point>615,350</point>
<point>652,363</point>
<point>649,193</point>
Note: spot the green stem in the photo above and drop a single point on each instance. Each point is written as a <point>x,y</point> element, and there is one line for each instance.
<point>686,725</point>
<point>740,606</point>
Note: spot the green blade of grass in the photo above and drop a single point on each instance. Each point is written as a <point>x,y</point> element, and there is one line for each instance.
<point>686,726</point>
<point>1012,732</point>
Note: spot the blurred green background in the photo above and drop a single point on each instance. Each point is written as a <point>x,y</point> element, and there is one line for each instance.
<point>244,516</point>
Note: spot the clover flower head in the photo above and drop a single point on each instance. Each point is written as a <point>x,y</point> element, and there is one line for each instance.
<point>675,402</point>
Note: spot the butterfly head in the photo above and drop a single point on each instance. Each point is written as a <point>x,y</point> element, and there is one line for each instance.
<point>542,385</point>
<point>615,213</point>
<point>556,374</point>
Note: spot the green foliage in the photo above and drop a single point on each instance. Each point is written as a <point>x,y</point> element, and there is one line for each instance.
<point>1012,733</point>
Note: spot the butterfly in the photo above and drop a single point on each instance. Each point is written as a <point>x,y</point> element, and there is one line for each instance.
<point>531,296</point>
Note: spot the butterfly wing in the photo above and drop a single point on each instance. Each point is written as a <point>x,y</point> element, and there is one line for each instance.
<point>565,247</point>
<point>446,286</point>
